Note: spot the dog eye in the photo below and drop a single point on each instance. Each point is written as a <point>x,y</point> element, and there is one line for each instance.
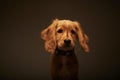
<point>72,31</point>
<point>60,31</point>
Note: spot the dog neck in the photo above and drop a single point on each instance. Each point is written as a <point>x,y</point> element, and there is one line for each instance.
<point>64,53</point>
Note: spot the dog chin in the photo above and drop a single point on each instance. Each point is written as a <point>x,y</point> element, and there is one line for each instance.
<point>66,48</point>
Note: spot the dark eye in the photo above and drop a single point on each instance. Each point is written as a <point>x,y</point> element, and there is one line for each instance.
<point>60,31</point>
<point>72,31</point>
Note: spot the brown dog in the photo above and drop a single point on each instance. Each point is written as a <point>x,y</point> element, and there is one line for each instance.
<point>60,39</point>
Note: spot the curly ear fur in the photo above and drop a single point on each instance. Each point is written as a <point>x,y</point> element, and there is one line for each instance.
<point>48,35</point>
<point>83,38</point>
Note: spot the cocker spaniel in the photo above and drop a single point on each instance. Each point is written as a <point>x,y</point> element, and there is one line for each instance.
<point>60,38</point>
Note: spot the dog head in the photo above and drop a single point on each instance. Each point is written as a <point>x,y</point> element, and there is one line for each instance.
<point>63,35</point>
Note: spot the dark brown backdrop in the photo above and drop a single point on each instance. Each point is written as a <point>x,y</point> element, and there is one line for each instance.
<point>22,53</point>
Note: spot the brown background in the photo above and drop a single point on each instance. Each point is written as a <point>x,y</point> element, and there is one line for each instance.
<point>22,54</point>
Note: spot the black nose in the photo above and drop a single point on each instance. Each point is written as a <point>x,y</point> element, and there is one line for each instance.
<point>67,41</point>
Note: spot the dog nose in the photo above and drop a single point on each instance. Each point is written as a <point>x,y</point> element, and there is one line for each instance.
<point>67,41</point>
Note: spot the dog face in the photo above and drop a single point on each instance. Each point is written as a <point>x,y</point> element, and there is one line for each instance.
<point>63,35</point>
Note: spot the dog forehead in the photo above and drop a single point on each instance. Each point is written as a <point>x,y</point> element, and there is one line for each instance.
<point>67,24</point>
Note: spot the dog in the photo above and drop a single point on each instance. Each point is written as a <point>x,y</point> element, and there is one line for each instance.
<point>60,38</point>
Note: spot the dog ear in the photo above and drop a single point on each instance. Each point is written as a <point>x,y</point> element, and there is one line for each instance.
<point>82,37</point>
<point>48,35</point>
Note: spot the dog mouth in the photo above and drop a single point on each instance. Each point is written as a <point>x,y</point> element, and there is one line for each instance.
<point>66,47</point>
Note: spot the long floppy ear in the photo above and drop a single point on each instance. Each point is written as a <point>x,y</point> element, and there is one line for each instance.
<point>83,38</point>
<point>48,35</point>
